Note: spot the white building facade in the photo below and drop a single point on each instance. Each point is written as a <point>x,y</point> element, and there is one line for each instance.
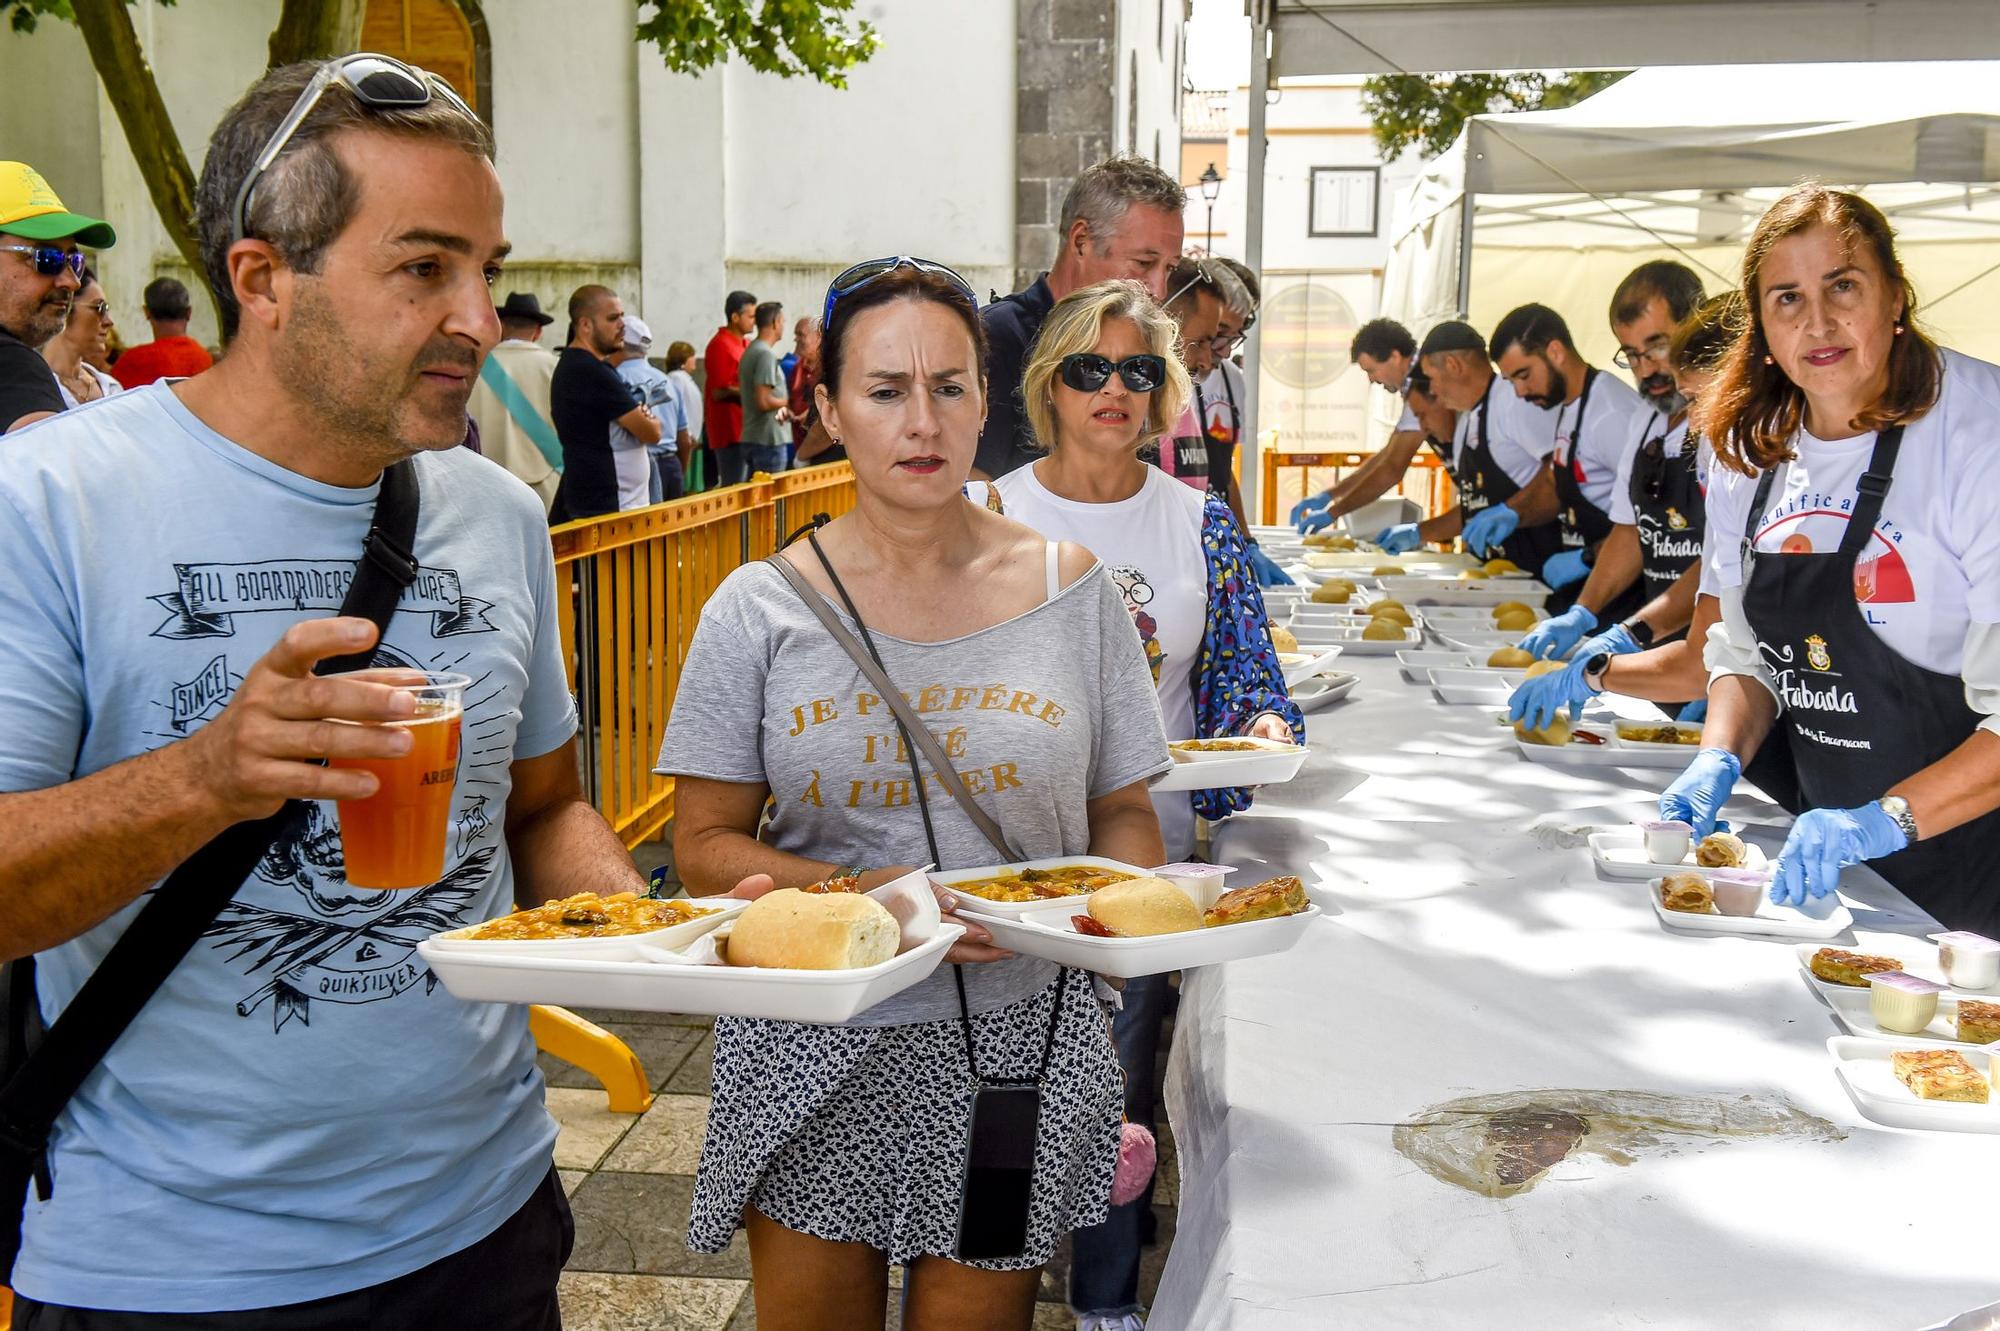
<point>954,142</point>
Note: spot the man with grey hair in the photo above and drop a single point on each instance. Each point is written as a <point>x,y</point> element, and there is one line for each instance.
<point>301,1128</point>
<point>1120,219</point>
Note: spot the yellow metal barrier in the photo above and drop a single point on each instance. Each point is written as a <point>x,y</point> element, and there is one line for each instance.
<point>638,581</point>
<point>1433,488</point>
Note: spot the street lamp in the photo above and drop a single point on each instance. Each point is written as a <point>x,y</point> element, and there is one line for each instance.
<point>1211,185</point>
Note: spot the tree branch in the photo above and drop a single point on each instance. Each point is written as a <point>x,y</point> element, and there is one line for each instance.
<point>315,29</point>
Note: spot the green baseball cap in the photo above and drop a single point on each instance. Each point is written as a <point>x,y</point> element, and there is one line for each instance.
<point>30,209</point>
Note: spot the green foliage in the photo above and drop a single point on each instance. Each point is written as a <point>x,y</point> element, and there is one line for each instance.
<point>783,37</point>
<point>1427,111</point>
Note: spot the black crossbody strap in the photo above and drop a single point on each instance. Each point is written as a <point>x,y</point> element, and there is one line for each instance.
<point>172,922</point>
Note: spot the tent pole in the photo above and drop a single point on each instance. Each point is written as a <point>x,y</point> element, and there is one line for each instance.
<point>1249,463</point>
<point>1465,205</point>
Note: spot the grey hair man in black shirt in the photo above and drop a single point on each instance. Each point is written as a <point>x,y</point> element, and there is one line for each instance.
<point>41,270</point>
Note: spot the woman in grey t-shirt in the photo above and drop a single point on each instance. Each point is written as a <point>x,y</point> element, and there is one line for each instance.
<point>841,1148</point>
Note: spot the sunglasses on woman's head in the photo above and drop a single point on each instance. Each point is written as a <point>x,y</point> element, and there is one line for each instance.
<point>1087,372</point>
<point>50,261</point>
<point>861,274</point>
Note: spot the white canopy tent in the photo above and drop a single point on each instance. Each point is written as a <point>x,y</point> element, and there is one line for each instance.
<point>1295,38</point>
<point>1679,162</point>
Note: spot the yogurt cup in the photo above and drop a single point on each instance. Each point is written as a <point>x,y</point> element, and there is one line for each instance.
<point>1737,892</point>
<point>1203,882</point>
<point>1668,842</point>
<point>1902,1002</point>
<point>1970,961</point>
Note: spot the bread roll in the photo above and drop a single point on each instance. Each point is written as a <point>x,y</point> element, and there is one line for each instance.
<point>1332,593</point>
<point>1505,606</point>
<point>1513,621</point>
<point>793,930</point>
<point>1495,567</point>
<point>1541,668</point>
<point>1385,628</point>
<point>1142,907</point>
<point>1556,735</point>
<point>1509,658</point>
<point>1282,639</point>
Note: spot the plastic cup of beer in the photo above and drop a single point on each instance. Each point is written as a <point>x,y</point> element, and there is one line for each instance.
<point>396,837</point>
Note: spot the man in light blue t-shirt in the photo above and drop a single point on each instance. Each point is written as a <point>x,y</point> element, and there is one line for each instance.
<point>665,475</point>
<point>302,1128</point>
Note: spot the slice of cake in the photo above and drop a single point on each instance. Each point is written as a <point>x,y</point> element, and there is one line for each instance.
<point>1978,1023</point>
<point>1838,967</point>
<point>1939,1074</point>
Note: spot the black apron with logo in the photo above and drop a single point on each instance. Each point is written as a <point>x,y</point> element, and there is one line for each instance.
<point>1482,482</point>
<point>1583,523</point>
<point>1859,716</point>
<point>1671,512</point>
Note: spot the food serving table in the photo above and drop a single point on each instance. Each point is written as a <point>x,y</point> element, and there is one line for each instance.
<point>1470,948</point>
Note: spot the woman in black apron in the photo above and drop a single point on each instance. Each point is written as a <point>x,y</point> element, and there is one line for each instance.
<point>1891,759</point>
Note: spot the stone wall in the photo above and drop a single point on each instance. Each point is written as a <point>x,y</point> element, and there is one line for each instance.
<point>1066,76</point>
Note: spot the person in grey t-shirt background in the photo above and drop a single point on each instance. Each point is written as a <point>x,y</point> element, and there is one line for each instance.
<point>767,419</point>
<point>840,1149</point>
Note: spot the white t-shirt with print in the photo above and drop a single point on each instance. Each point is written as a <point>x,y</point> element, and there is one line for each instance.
<point>1674,441</point>
<point>1613,417</point>
<point>1932,567</point>
<point>1519,433</point>
<point>1222,401</point>
<point>1151,545</point>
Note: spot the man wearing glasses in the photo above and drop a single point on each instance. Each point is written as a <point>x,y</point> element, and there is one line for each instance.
<point>302,1129</point>
<point>1645,309</point>
<point>41,270</point>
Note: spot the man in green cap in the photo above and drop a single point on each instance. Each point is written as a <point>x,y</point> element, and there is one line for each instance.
<point>41,270</point>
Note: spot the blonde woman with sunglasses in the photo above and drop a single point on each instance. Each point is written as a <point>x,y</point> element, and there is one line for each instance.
<point>1102,383</point>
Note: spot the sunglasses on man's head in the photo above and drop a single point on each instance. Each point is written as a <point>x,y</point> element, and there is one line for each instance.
<point>1087,372</point>
<point>50,261</point>
<point>861,274</point>
<point>378,82</point>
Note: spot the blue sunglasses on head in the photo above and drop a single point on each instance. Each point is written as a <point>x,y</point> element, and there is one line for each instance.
<point>861,274</point>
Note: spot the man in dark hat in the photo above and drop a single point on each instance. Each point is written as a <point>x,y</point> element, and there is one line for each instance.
<point>41,270</point>
<point>511,402</point>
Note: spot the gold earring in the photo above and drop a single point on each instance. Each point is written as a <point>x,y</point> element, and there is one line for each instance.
<point>1899,330</point>
<point>1768,360</point>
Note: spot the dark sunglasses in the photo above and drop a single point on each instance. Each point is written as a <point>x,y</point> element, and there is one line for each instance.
<point>861,274</point>
<point>49,260</point>
<point>378,82</point>
<point>1087,372</point>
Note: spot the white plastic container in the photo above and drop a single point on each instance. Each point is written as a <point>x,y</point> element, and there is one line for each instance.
<point>1271,765</point>
<point>948,879</point>
<point>1737,891</point>
<point>1902,1002</point>
<point>1667,842</point>
<point>715,912</point>
<point>1970,961</point>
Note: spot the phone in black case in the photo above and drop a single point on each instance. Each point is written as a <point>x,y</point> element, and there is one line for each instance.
<point>999,1172</point>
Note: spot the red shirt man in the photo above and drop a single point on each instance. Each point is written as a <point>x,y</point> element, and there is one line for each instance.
<point>172,354</point>
<point>720,362</point>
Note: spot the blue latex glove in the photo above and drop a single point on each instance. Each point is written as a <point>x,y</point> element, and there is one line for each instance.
<point>1699,793</point>
<point>1268,572</point>
<point>1489,527</point>
<point>1310,506</point>
<point>1822,841</point>
<point>1614,641</point>
<point>1399,540</point>
<point>1555,635</point>
<point>1538,700</point>
<point>1565,567</point>
<point>1695,712</point>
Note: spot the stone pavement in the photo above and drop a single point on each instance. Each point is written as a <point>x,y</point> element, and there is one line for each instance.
<point>629,1178</point>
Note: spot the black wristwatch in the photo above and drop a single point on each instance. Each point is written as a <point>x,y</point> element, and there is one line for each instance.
<point>1594,668</point>
<point>1641,631</point>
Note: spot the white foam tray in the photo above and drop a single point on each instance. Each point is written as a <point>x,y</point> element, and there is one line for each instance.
<point>1316,660</point>
<point>1916,956</point>
<point>1620,852</point>
<point>1614,752</point>
<point>665,982</point>
<point>1864,1069</point>
<point>1851,1007</point>
<point>1054,937</point>
<point>623,946</point>
<point>1822,917</point>
<point>1323,689</point>
<point>1278,763</point>
<point>1312,634</point>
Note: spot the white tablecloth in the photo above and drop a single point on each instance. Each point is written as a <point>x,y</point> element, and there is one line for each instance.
<point>1467,952</point>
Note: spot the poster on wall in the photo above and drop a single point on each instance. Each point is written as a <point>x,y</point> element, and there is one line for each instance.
<point>1310,390</point>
